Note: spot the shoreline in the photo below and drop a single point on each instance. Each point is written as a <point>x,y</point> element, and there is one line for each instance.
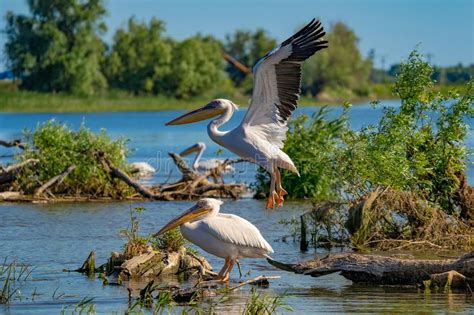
<point>18,101</point>
<point>159,106</point>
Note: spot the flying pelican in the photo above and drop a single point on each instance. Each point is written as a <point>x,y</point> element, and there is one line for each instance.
<point>224,235</point>
<point>204,165</point>
<point>143,169</point>
<point>260,136</point>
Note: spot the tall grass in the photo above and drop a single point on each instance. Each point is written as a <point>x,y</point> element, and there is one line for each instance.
<point>264,304</point>
<point>12,275</point>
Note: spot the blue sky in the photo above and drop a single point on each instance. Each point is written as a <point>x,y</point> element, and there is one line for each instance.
<point>393,28</point>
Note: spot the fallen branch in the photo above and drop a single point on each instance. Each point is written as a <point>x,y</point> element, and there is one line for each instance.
<point>380,269</point>
<point>14,143</point>
<point>56,180</point>
<point>7,174</point>
<point>118,173</point>
<point>261,280</point>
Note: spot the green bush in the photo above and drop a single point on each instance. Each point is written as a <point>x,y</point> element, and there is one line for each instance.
<point>57,147</point>
<point>419,147</point>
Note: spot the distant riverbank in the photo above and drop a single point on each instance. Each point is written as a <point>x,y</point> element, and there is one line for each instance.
<point>14,100</point>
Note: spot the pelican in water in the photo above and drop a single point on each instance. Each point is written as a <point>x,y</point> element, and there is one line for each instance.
<point>143,169</point>
<point>259,137</point>
<point>223,235</point>
<point>204,165</point>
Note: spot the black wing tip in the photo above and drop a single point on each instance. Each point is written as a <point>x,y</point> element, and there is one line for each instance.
<point>309,33</point>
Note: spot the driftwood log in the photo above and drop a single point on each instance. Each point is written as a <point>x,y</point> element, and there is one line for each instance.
<point>7,174</point>
<point>56,180</point>
<point>378,269</point>
<point>192,184</point>
<point>118,173</point>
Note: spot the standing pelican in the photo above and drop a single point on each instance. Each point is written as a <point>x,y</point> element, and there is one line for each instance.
<point>224,235</point>
<point>260,136</point>
<point>204,165</point>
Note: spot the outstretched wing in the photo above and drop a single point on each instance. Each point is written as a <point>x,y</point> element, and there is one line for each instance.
<point>277,80</point>
<point>233,229</point>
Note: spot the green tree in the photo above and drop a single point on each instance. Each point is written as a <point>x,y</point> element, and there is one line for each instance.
<point>197,67</point>
<point>339,68</point>
<point>140,58</point>
<point>247,47</point>
<point>57,47</point>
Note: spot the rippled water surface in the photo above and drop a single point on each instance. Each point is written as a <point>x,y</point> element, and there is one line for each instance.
<point>54,237</point>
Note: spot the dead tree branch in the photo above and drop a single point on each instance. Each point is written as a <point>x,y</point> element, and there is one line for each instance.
<point>118,173</point>
<point>56,180</point>
<point>7,174</point>
<point>14,143</point>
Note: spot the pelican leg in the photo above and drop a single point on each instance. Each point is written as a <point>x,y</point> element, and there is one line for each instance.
<point>220,275</point>
<point>238,267</point>
<point>229,269</point>
<point>280,191</point>
<point>272,194</point>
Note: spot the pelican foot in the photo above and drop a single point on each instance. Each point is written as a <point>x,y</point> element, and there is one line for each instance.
<point>280,200</point>
<point>282,192</point>
<point>271,200</point>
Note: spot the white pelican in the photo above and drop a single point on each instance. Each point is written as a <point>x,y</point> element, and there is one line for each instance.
<point>204,165</point>
<point>224,235</point>
<point>260,136</point>
<point>143,168</point>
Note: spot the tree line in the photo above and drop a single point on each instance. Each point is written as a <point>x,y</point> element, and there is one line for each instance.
<point>58,47</point>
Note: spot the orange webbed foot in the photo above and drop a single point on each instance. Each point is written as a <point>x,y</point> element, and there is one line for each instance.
<point>271,200</point>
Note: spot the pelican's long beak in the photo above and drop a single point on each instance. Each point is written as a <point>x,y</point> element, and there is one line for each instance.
<point>199,114</point>
<point>190,150</point>
<point>188,215</point>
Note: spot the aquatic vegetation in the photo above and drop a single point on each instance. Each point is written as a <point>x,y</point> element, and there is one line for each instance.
<point>57,147</point>
<point>136,244</point>
<point>172,240</point>
<point>85,306</point>
<point>12,275</point>
<point>164,302</point>
<point>265,304</point>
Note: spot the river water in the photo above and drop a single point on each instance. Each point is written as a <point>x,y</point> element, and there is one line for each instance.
<point>53,237</point>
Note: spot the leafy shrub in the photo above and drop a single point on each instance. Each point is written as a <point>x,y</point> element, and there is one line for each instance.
<point>419,147</point>
<point>57,147</point>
